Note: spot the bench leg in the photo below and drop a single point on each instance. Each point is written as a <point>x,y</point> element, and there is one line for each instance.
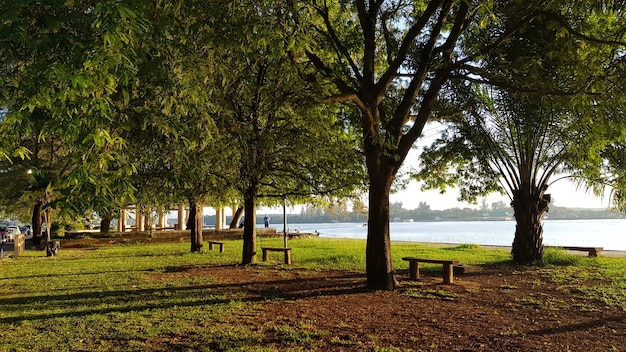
<point>287,257</point>
<point>593,253</point>
<point>265,255</point>
<point>210,246</point>
<point>448,275</point>
<point>221,248</point>
<point>414,270</point>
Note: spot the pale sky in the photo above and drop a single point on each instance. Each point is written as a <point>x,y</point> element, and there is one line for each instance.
<point>564,192</point>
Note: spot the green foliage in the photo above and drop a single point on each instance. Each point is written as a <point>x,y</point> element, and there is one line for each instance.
<point>67,67</point>
<point>282,142</point>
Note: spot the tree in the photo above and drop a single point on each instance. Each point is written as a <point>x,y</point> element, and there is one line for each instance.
<point>518,142</point>
<point>287,149</point>
<point>393,59</point>
<point>63,65</point>
<point>283,145</point>
<point>34,176</point>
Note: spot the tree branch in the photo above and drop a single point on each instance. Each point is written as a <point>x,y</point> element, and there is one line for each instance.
<point>564,22</point>
<point>342,51</point>
<point>407,42</point>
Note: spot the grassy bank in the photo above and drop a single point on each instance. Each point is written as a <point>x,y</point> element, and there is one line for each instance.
<point>140,297</point>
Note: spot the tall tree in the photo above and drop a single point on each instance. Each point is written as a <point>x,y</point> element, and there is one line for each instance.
<point>392,59</point>
<point>283,145</point>
<point>63,65</point>
<point>516,144</point>
<point>520,142</point>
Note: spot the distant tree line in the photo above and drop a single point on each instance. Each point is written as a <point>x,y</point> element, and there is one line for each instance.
<point>496,211</point>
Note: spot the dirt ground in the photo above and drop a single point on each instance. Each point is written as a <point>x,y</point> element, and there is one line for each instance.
<point>493,309</point>
<point>485,309</point>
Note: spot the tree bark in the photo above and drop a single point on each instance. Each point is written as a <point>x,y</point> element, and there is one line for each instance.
<point>36,222</point>
<point>379,268</point>
<point>236,218</point>
<point>105,223</point>
<point>195,226</point>
<point>529,208</point>
<point>249,228</point>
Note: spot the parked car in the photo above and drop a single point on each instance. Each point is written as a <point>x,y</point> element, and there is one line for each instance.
<point>11,232</point>
<point>3,232</point>
<point>27,231</point>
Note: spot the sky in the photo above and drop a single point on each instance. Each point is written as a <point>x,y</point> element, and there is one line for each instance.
<point>564,192</point>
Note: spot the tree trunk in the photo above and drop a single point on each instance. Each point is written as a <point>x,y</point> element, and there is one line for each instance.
<point>529,209</point>
<point>380,275</point>
<point>249,228</point>
<point>36,222</point>
<point>236,218</point>
<point>105,223</point>
<point>195,226</point>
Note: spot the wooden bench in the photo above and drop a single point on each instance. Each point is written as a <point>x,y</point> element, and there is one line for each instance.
<point>219,243</point>
<point>448,275</point>
<point>286,251</point>
<point>593,251</point>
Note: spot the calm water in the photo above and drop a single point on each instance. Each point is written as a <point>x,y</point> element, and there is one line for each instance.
<point>610,234</point>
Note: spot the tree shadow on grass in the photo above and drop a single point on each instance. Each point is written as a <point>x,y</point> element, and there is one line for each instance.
<point>167,295</point>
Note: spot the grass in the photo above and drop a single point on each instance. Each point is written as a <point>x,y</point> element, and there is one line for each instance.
<point>138,297</point>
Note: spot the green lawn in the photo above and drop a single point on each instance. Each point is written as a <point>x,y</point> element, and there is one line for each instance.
<point>113,298</point>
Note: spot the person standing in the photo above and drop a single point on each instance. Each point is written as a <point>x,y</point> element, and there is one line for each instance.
<point>266,220</point>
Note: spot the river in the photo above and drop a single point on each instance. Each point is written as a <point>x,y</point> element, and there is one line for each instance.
<point>609,233</point>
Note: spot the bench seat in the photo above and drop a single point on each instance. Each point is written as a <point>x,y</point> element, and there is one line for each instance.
<point>592,251</point>
<point>448,275</point>
<point>218,243</point>
<point>285,250</point>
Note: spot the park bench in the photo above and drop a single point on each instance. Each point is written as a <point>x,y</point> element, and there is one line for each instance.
<point>593,251</point>
<point>218,243</point>
<point>286,251</point>
<point>448,275</point>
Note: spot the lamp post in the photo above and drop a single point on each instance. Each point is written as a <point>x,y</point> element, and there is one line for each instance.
<point>285,222</point>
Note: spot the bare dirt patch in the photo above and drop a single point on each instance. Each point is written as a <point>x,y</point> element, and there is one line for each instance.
<point>493,309</point>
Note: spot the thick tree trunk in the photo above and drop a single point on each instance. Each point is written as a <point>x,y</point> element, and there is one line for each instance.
<point>195,225</point>
<point>36,222</point>
<point>105,223</point>
<point>249,228</point>
<point>380,275</point>
<point>528,241</point>
<point>236,218</point>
